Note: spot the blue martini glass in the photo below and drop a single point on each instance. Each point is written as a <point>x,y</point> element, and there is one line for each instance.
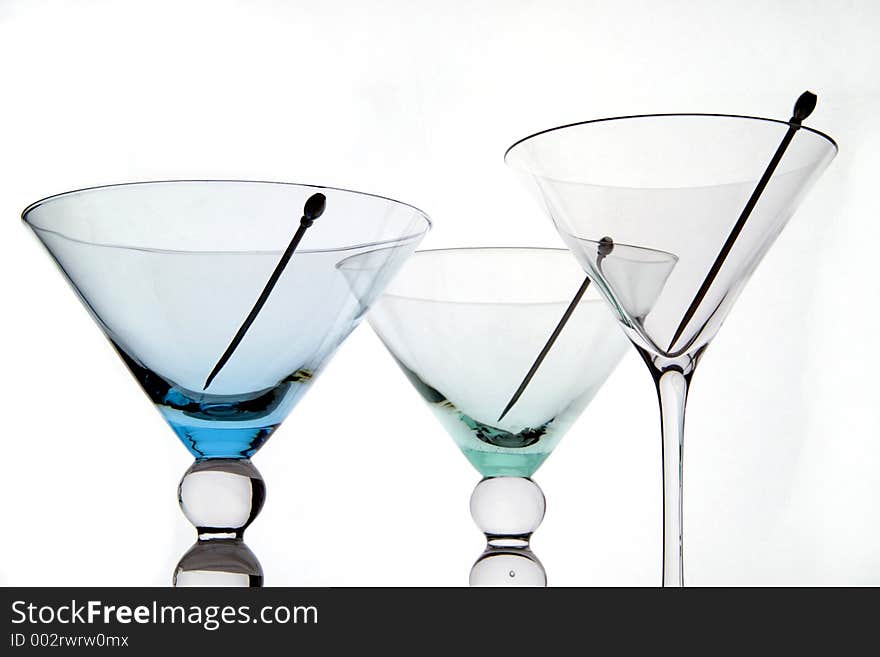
<point>171,270</point>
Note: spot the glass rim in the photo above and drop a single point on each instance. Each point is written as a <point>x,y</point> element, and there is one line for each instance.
<point>465,249</point>
<point>545,248</point>
<point>493,248</point>
<point>626,245</point>
<point>54,197</point>
<point>660,115</point>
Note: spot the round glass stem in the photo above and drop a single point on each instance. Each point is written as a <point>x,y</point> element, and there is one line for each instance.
<point>221,498</point>
<point>507,510</point>
<point>672,377</point>
<point>672,389</point>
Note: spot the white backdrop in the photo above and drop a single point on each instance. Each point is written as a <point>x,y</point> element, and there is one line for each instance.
<point>418,101</point>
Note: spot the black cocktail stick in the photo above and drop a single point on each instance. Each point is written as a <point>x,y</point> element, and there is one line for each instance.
<point>606,244</point>
<point>804,106</point>
<point>313,208</point>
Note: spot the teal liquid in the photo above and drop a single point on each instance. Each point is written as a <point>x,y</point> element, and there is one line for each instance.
<point>493,451</point>
<point>496,452</point>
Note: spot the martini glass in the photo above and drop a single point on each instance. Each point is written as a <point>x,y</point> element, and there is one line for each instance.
<point>465,326</point>
<point>702,187</point>
<point>171,270</point>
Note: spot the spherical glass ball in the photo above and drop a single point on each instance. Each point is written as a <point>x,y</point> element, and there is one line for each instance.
<point>221,496</point>
<point>498,567</point>
<point>219,562</point>
<point>507,506</point>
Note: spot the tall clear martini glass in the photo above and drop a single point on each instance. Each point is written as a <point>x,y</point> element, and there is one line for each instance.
<point>465,326</point>
<point>679,184</point>
<point>171,270</point>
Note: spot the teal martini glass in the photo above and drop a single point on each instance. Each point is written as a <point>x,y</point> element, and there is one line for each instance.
<point>465,325</point>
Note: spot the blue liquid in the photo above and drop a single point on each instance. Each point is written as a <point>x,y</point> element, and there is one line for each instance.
<point>220,426</point>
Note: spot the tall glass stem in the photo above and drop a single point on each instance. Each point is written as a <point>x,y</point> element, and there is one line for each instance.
<point>672,389</point>
<point>672,378</point>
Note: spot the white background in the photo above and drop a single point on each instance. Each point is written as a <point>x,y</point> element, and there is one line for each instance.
<point>418,101</point>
